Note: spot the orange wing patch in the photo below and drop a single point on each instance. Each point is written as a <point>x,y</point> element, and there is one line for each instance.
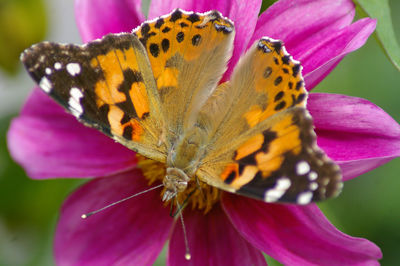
<point>278,78</point>
<point>185,34</point>
<point>264,152</point>
<point>121,92</point>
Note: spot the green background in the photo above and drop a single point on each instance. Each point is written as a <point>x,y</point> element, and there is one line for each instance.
<point>368,207</point>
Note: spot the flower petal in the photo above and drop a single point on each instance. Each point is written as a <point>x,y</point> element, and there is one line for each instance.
<point>319,42</point>
<point>48,142</point>
<point>243,13</point>
<point>212,241</point>
<point>130,233</point>
<point>354,132</point>
<point>297,235</point>
<point>98,18</point>
<point>320,55</point>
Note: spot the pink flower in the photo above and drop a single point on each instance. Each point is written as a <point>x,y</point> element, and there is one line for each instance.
<point>50,143</point>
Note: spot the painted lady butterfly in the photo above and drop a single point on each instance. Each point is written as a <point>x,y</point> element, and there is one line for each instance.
<point>156,91</point>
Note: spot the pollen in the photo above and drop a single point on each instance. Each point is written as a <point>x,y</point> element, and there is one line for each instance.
<point>198,195</point>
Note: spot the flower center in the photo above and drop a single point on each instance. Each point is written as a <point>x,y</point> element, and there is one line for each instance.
<point>197,194</point>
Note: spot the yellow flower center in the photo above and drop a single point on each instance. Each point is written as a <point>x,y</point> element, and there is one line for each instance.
<point>197,194</point>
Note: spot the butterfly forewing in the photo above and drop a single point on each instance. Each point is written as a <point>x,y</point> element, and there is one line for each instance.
<point>188,53</point>
<point>107,84</point>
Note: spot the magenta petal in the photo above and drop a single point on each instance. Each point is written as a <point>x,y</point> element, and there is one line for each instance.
<point>297,235</point>
<point>293,22</point>
<point>321,54</point>
<point>318,41</point>
<point>48,142</point>
<point>244,14</point>
<point>130,233</point>
<point>97,18</point>
<point>212,241</point>
<point>354,132</point>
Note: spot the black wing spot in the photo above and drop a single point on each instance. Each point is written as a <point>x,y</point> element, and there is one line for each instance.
<point>180,36</point>
<point>299,85</point>
<point>154,49</point>
<point>277,46</point>
<point>165,45</point>
<point>166,29</point>
<point>267,72</point>
<point>196,40</point>
<point>286,59</point>
<point>278,81</point>
<point>128,130</point>
<point>145,29</point>
<point>230,178</point>
<point>193,18</point>
<point>296,70</point>
<point>279,96</point>
<point>280,106</point>
<point>159,23</point>
<point>177,14</point>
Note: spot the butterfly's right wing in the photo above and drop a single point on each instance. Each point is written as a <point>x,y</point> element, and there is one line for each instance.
<point>262,140</point>
<point>107,84</point>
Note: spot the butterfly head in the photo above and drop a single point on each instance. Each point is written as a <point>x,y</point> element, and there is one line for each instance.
<point>175,181</point>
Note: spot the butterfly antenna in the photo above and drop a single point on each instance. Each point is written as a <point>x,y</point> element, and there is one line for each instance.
<point>187,254</point>
<point>180,209</point>
<point>86,215</point>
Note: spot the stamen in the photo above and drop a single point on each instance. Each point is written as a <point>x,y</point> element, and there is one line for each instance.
<point>198,194</point>
<point>84,216</point>
<point>187,255</point>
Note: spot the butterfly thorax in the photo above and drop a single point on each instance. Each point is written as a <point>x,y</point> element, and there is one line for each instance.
<point>183,161</point>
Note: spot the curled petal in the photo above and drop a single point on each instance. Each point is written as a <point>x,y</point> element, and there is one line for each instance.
<point>297,235</point>
<point>244,14</point>
<point>212,241</point>
<point>354,132</point>
<point>98,18</point>
<point>319,56</point>
<point>130,233</point>
<point>319,42</point>
<point>48,142</point>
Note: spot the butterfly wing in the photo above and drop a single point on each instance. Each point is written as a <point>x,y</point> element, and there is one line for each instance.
<point>107,84</point>
<point>262,142</point>
<point>188,54</point>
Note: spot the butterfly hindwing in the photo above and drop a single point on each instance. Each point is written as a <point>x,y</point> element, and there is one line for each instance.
<point>107,84</point>
<point>263,143</point>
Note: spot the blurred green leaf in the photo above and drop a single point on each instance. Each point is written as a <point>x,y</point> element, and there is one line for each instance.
<point>22,23</point>
<point>380,10</point>
<point>266,4</point>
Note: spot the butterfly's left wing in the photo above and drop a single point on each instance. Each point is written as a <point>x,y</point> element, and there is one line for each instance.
<point>107,84</point>
<point>262,142</point>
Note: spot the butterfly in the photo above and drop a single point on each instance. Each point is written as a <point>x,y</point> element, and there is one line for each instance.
<point>158,91</point>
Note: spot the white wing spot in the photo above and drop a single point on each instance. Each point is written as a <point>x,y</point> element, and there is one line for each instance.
<point>304,198</point>
<point>302,168</point>
<point>57,65</point>
<point>313,186</point>
<point>45,85</point>
<point>48,71</point>
<point>74,102</point>
<point>275,193</point>
<point>312,176</point>
<point>73,69</point>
